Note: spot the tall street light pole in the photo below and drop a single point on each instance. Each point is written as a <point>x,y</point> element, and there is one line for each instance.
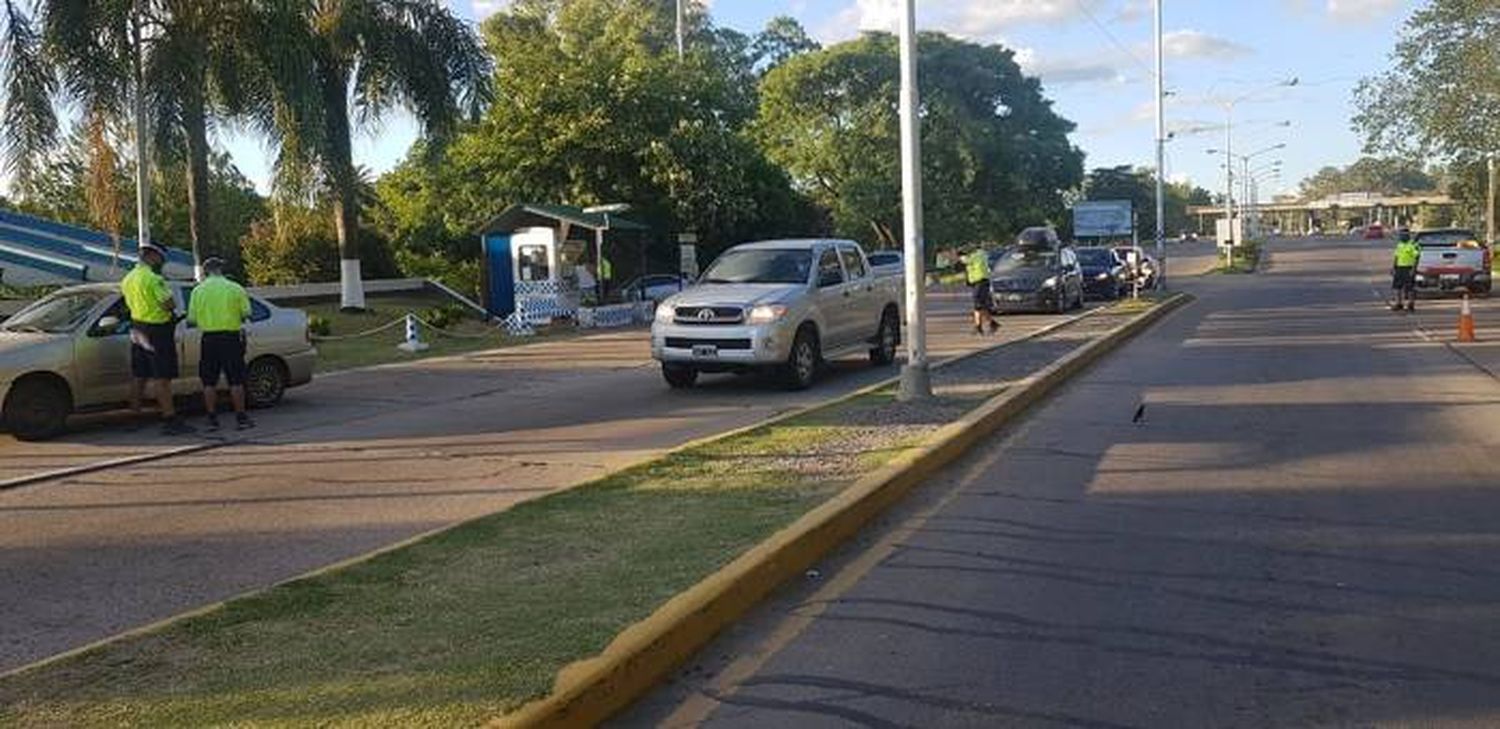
<point>679,29</point>
<point>142,179</point>
<point>1489,210</point>
<point>915,381</point>
<point>1161,154</point>
<point>1229,150</point>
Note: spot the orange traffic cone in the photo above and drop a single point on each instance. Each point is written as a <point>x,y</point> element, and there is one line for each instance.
<point>1466,322</point>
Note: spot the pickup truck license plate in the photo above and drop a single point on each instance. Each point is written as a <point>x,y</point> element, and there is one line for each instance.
<point>705,350</point>
<point>1450,278</point>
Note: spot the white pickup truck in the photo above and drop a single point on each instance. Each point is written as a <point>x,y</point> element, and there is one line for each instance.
<point>781,305</point>
<point>1453,259</point>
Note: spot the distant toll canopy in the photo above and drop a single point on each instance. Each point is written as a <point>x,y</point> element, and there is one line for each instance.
<point>1336,212</point>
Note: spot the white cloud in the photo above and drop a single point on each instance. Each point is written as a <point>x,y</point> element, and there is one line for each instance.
<point>1070,70</point>
<point>977,20</point>
<point>1197,44</point>
<point>1133,10</point>
<point>1360,10</point>
<point>485,8</point>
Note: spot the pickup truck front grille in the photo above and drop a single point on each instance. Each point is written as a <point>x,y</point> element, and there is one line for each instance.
<point>708,315</point>
<point>690,342</point>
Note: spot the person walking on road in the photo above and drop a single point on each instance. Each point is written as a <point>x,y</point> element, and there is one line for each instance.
<point>1404,272</point>
<point>977,273</point>
<point>153,336</point>
<point>219,307</point>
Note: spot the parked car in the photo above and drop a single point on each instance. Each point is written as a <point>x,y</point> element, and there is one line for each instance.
<point>1104,275</point>
<point>69,352</point>
<point>782,305</point>
<point>1453,259</point>
<point>886,262</point>
<point>655,287</point>
<point>1036,278</point>
<point>1374,231</point>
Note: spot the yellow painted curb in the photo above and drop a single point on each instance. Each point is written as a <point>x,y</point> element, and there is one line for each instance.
<point>589,691</point>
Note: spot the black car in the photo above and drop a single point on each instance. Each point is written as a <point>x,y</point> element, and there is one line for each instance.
<point>1104,276</point>
<point>1025,278</point>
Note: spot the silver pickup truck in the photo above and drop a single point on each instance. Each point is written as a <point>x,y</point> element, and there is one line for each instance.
<point>781,305</point>
<point>1453,259</point>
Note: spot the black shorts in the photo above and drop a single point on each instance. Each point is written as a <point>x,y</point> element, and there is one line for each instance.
<point>983,301</point>
<point>1404,278</point>
<point>222,353</point>
<point>160,361</point>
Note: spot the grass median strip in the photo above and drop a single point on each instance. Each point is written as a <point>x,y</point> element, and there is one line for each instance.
<point>473,622</point>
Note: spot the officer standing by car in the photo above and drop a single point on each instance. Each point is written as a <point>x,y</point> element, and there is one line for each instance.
<point>977,273</point>
<point>219,307</point>
<point>153,335</point>
<point>1404,272</point>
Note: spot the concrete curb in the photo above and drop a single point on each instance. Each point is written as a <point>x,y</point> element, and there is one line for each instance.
<point>57,473</point>
<point>589,691</point>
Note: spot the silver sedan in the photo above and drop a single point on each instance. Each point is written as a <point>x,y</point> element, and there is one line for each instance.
<point>70,352</point>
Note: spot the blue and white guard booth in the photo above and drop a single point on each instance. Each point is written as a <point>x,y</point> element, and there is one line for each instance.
<point>532,255</point>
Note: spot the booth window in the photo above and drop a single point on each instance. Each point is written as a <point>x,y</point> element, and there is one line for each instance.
<point>534,263</point>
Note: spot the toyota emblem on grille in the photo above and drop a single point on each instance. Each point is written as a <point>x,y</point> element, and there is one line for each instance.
<point>706,315</point>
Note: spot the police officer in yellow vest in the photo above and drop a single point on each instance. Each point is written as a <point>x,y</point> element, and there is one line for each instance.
<point>153,335</point>
<point>977,273</point>
<point>219,307</point>
<point>1404,272</point>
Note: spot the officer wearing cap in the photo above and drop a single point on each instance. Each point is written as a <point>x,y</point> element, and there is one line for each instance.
<point>1404,272</point>
<point>219,308</point>
<point>153,335</point>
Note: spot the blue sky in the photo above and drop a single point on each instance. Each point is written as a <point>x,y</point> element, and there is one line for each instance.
<point>1094,58</point>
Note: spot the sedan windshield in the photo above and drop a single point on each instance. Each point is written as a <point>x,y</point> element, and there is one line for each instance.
<point>1025,258</point>
<point>761,266</point>
<point>61,312</point>
<point>1097,257</point>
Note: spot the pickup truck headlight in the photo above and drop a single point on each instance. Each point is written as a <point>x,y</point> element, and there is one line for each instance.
<point>1102,277</point>
<point>766,313</point>
<point>665,312</point>
<point>1049,283</point>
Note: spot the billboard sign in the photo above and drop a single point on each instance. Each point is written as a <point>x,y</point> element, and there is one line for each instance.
<point>1102,219</point>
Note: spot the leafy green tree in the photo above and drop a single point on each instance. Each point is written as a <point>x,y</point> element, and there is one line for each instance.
<point>351,62</point>
<point>1388,176</point>
<point>782,39</point>
<point>1441,98</point>
<point>996,157</point>
<point>592,106</point>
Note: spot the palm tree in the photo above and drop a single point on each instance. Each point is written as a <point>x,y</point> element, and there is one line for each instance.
<point>365,57</point>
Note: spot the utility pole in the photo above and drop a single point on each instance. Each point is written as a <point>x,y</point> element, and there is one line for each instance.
<point>142,178</point>
<point>1489,209</point>
<point>679,29</point>
<point>915,381</point>
<point>1161,156</point>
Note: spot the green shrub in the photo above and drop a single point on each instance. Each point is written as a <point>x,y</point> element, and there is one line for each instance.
<point>299,245</point>
<point>319,326</point>
<point>445,316</point>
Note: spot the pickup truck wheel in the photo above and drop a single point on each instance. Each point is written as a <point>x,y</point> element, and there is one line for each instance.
<point>802,364</point>
<point>37,409</point>
<point>884,352</point>
<point>679,377</point>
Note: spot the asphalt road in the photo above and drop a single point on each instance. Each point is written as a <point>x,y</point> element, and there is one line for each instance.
<point>1304,530</point>
<point>355,462</point>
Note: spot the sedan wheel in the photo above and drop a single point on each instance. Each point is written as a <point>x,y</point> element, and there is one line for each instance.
<point>37,409</point>
<point>265,383</point>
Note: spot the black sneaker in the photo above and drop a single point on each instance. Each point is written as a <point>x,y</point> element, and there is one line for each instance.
<point>994,327</point>
<point>243,422</point>
<point>176,426</point>
<point>213,422</point>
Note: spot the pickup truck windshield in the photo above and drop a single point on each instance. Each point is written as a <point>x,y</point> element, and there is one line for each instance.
<point>1025,258</point>
<point>1448,239</point>
<point>761,266</point>
<point>60,312</point>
